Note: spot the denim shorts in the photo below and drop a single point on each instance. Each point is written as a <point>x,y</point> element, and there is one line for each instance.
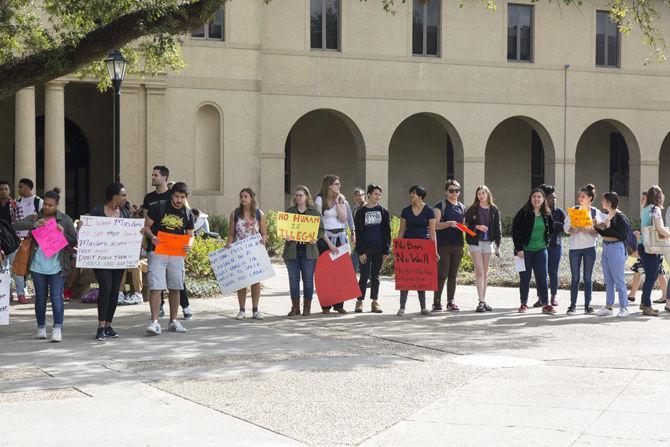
<point>165,272</point>
<point>481,247</point>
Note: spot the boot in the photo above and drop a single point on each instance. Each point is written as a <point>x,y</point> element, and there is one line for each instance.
<point>359,306</point>
<point>375,307</point>
<point>307,308</point>
<point>295,307</point>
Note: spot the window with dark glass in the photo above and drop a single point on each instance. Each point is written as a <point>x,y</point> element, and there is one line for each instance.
<point>536,161</point>
<point>619,179</point>
<point>325,24</point>
<point>607,40</point>
<point>426,28</point>
<point>520,33</point>
<point>213,29</point>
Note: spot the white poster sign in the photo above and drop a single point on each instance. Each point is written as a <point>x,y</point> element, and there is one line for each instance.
<point>109,242</point>
<point>246,262</point>
<point>5,279</point>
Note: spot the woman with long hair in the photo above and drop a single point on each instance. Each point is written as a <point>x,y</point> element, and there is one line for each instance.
<point>483,218</point>
<point>583,241</point>
<point>531,228</point>
<point>336,216</point>
<point>248,220</point>
<point>555,248</point>
<point>300,257</point>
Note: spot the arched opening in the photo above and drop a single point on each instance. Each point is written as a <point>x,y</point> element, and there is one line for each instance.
<point>664,167</point>
<point>323,142</point>
<point>608,156</point>
<point>425,149</point>
<point>208,148</point>
<point>519,157</point>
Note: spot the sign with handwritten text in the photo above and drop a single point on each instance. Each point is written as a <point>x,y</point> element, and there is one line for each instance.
<point>246,262</point>
<point>297,227</point>
<point>580,217</point>
<point>5,278</point>
<point>335,278</point>
<point>415,264</point>
<point>172,244</point>
<point>109,243</point>
<point>50,238</point>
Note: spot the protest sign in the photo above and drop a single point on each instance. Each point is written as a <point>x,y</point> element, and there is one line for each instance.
<point>246,262</point>
<point>5,278</point>
<point>297,227</point>
<point>415,264</point>
<point>465,229</point>
<point>109,243</point>
<point>335,279</point>
<point>341,251</point>
<point>50,238</point>
<point>580,217</point>
<point>172,244</point>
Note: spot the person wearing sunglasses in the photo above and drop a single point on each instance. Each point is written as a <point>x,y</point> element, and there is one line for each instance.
<point>448,213</point>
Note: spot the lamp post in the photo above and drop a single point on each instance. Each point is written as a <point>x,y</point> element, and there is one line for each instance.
<point>116,67</point>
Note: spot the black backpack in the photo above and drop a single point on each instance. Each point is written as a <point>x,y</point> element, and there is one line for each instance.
<point>9,241</point>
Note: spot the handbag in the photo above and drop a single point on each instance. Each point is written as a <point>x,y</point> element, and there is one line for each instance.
<point>22,257</point>
<point>654,243</point>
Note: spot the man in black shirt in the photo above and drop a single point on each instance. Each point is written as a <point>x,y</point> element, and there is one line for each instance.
<point>159,180</point>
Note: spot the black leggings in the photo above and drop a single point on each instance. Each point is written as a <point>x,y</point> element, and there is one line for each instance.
<point>370,270</point>
<point>183,297</point>
<point>109,283</point>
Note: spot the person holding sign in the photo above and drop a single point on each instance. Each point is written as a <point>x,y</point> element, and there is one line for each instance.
<point>373,236</point>
<point>483,218</point>
<point>300,257</point>
<point>49,271</point>
<point>531,229</point>
<point>583,241</point>
<point>172,221</point>
<point>109,280</point>
<point>417,221</point>
<point>248,220</point>
<point>335,216</point>
<point>448,214</point>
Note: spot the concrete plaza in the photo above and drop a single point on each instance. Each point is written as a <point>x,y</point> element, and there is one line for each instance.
<point>499,378</point>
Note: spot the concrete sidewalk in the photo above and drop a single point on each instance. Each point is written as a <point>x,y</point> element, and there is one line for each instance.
<point>499,378</point>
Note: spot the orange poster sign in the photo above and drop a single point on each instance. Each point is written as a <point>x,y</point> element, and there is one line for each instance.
<point>171,244</point>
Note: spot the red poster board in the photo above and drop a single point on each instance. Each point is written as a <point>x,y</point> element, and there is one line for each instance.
<point>335,281</point>
<point>415,264</point>
<point>172,244</point>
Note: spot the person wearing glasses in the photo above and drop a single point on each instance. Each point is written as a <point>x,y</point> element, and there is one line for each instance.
<point>448,213</point>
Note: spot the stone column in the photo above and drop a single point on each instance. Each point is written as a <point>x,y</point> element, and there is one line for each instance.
<point>473,175</point>
<point>24,136</point>
<point>54,138</point>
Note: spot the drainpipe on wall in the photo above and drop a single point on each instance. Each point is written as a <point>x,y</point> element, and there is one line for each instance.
<point>565,130</point>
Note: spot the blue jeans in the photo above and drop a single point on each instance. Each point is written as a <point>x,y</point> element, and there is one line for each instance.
<point>614,262</point>
<point>650,263</point>
<point>588,257</point>
<point>296,268</point>
<point>554,255</point>
<point>46,285</point>
<point>536,261</point>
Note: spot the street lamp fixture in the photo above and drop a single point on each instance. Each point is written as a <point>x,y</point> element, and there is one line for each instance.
<point>116,67</point>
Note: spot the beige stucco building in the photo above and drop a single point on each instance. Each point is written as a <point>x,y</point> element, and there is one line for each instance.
<point>509,98</point>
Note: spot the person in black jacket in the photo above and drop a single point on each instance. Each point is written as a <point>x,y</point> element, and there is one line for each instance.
<point>373,241</point>
<point>555,248</point>
<point>483,218</point>
<point>531,229</point>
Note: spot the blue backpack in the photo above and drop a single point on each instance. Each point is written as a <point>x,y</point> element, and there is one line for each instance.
<point>631,241</point>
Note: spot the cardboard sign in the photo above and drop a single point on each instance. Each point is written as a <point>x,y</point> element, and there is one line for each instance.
<point>335,279</point>
<point>465,229</point>
<point>580,217</point>
<point>415,264</point>
<point>109,243</point>
<point>246,262</point>
<point>49,238</point>
<point>341,251</point>
<point>5,278</point>
<point>297,227</point>
<point>172,244</point>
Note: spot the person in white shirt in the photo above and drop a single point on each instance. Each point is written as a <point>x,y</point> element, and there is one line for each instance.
<point>201,222</point>
<point>30,204</point>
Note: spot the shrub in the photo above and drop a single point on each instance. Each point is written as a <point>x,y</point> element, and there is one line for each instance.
<point>218,223</point>
<point>506,223</point>
<point>274,244</point>
<point>197,261</point>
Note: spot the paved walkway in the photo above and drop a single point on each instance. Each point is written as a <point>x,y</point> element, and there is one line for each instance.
<point>499,378</point>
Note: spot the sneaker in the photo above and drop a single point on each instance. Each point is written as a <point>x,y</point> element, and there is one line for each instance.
<point>605,312</point>
<point>400,312</point>
<point>100,334</point>
<point>649,312</point>
<point>57,335</point>
<point>175,326</point>
<point>589,310</point>
<point>425,312</point>
<point>538,303</point>
<point>240,315</point>
<point>523,308</point>
<point>188,315</point>
<point>122,298</point>
<point>481,307</point>
<point>342,310</point>
<point>257,316</point>
<point>631,299</point>
<point>554,302</point>
<point>22,299</point>
<point>375,307</point>
<point>623,313</point>
<point>548,310</point>
<point>487,307</point>
<point>661,300</point>
<point>452,307</point>
<point>572,311</point>
<point>667,308</point>
<point>67,294</point>
<point>325,310</point>
<point>41,334</point>
<point>135,298</point>
<point>154,328</point>
<point>437,305</point>
<point>110,332</point>
<point>359,306</point>
<point>161,314</point>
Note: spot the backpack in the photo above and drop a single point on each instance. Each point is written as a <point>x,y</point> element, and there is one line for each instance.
<point>631,241</point>
<point>9,241</point>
